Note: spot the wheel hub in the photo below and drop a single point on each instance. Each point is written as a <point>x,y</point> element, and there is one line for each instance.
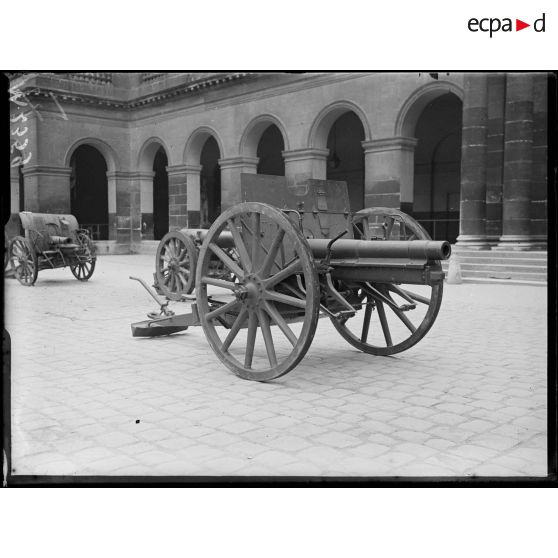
<point>250,292</point>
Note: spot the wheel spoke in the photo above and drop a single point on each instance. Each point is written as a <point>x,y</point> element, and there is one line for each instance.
<point>404,319</point>
<point>251,339</point>
<point>285,299</point>
<point>255,241</point>
<point>280,321</point>
<point>229,263</point>
<point>222,310</point>
<point>291,269</point>
<point>366,321</point>
<point>238,323</point>
<point>205,280</point>
<point>384,322</point>
<point>272,254</point>
<point>240,246</point>
<point>268,338</point>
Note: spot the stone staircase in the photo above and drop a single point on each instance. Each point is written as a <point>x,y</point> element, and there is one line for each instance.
<point>495,266</point>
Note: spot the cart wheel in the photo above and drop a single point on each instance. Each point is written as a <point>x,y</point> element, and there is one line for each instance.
<point>85,258</point>
<point>175,265</point>
<point>24,261</point>
<point>273,283</point>
<point>390,317</point>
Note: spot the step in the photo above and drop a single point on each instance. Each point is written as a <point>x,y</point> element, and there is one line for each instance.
<point>502,261</point>
<point>501,267</point>
<point>524,276</point>
<point>523,254</point>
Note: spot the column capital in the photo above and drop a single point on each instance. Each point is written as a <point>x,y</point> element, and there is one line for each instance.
<point>305,153</point>
<point>235,162</point>
<point>396,143</point>
<point>183,169</point>
<point>143,175</point>
<point>120,175</point>
<point>51,171</point>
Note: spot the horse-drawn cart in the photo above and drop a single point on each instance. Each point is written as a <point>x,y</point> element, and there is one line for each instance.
<point>49,241</point>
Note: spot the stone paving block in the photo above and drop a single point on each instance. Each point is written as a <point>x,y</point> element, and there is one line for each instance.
<point>408,423</point>
<point>337,440</point>
<point>415,436</point>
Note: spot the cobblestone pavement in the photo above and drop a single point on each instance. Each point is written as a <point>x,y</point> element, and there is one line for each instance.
<point>88,399</point>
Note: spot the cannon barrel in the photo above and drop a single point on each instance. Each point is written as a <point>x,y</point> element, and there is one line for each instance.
<point>60,239</point>
<point>225,238</point>
<point>365,249</point>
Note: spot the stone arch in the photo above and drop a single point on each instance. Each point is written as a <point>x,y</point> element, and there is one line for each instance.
<point>253,132</point>
<point>414,105</point>
<point>147,153</point>
<point>317,138</point>
<point>113,163</point>
<point>196,142</point>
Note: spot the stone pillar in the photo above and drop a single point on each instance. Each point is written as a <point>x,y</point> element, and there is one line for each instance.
<point>231,169</point>
<point>302,164</point>
<point>193,194</point>
<point>495,156</point>
<point>127,223</point>
<point>178,201</point>
<point>388,171</point>
<point>14,190</point>
<point>472,226</point>
<point>518,163</point>
<point>145,179</point>
<point>539,188</point>
<point>47,189</point>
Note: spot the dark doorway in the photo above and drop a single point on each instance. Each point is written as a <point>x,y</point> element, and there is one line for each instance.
<point>438,167</point>
<point>210,183</point>
<point>270,146</point>
<point>346,156</point>
<point>89,190</point>
<point>160,195</point>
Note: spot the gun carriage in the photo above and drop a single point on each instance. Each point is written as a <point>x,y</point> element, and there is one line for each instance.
<point>50,241</point>
<point>269,267</point>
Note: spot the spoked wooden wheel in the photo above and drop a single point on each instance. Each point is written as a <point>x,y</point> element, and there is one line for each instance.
<point>24,261</point>
<point>269,306</point>
<point>175,265</point>
<point>83,266</point>
<point>390,317</point>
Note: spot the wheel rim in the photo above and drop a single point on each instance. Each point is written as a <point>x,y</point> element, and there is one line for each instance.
<point>175,265</point>
<point>263,295</point>
<point>85,267</point>
<point>390,318</point>
<point>23,261</point>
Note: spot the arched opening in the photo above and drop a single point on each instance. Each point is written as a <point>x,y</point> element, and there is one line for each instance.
<point>346,156</point>
<point>160,195</point>
<point>210,183</point>
<point>437,170</point>
<point>269,150</point>
<point>89,190</point>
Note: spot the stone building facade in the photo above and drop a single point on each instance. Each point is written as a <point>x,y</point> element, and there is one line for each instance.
<point>136,154</point>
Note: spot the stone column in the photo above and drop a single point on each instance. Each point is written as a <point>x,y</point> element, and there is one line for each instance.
<point>127,222</point>
<point>14,190</point>
<point>539,188</point>
<point>145,179</point>
<point>388,171</point>
<point>47,189</point>
<point>518,163</point>
<point>193,193</point>
<point>472,226</point>
<point>231,169</point>
<point>178,201</point>
<point>495,156</point>
<point>302,164</point>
